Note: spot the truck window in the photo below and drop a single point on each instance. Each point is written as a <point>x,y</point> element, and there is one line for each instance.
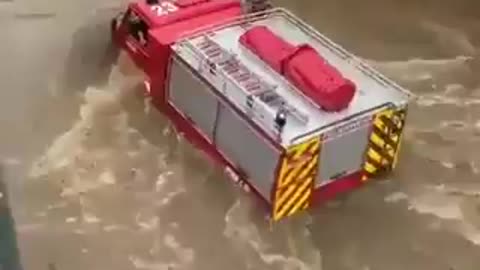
<point>137,27</point>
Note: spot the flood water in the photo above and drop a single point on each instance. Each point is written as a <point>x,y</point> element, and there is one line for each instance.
<point>97,180</point>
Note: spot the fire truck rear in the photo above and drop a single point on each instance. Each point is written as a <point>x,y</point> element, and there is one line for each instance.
<point>284,109</point>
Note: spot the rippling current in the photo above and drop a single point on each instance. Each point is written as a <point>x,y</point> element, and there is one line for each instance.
<point>99,180</point>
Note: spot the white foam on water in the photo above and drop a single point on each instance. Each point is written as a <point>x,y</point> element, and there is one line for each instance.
<point>186,256</point>
<point>437,204</point>
<point>472,234</point>
<point>101,111</point>
<point>417,69</point>
<point>167,198</point>
<point>446,204</point>
<point>107,177</point>
<point>71,220</point>
<point>245,236</point>
<point>10,161</point>
<point>90,218</point>
<point>162,180</point>
<point>89,156</point>
<point>450,39</point>
<point>454,124</point>
<point>57,205</point>
<point>435,99</point>
<point>396,197</point>
<point>148,223</point>
<point>81,184</point>
<point>454,88</point>
<point>140,263</point>
<point>475,167</point>
<point>111,228</point>
<point>477,124</point>
<point>448,164</point>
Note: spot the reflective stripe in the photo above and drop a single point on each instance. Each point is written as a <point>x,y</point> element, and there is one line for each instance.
<point>296,179</point>
<point>384,143</point>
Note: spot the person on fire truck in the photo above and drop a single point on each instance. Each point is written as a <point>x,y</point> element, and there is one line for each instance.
<point>137,28</point>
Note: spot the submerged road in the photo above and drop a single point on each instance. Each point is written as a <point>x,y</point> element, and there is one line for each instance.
<point>95,180</point>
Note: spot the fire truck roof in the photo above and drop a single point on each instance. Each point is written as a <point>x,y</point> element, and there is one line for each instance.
<point>220,45</point>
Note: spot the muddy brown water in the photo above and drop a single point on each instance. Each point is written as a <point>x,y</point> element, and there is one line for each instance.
<point>97,180</point>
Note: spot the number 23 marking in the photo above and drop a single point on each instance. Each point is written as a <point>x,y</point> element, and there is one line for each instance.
<point>164,8</point>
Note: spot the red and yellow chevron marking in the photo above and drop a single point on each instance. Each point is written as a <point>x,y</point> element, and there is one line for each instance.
<point>296,178</point>
<point>384,143</point>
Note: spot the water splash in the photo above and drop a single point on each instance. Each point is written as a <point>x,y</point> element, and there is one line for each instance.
<point>449,39</point>
<point>438,72</point>
<point>247,239</point>
<point>449,204</point>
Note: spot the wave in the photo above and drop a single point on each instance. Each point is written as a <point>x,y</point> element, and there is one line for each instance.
<point>246,238</point>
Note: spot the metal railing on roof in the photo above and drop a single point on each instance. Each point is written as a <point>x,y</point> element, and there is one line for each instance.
<point>339,51</point>
<point>310,31</point>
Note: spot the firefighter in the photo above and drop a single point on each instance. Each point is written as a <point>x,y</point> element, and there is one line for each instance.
<point>138,29</point>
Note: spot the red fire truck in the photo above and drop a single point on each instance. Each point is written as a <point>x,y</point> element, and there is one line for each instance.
<point>286,111</point>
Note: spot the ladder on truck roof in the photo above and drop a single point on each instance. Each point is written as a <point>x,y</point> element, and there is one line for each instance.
<point>258,91</point>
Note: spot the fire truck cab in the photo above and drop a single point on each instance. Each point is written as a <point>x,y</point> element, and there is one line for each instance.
<point>282,107</point>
